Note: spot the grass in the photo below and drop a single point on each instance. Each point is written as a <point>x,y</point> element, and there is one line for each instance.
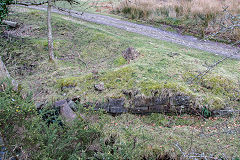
<point>197,17</point>
<point>81,47</point>
<point>155,135</point>
<point>92,6</point>
<point>101,136</point>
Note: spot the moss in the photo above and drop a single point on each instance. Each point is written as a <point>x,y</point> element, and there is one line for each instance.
<point>66,82</point>
<point>219,85</point>
<point>85,80</point>
<point>120,61</point>
<point>147,87</point>
<point>119,79</point>
<point>214,102</point>
<point>217,91</point>
<point>114,81</point>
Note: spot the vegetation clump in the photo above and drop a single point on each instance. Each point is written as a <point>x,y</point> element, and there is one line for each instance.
<point>21,126</point>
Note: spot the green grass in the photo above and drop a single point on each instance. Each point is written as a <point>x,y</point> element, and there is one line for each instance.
<point>155,135</point>
<point>81,47</point>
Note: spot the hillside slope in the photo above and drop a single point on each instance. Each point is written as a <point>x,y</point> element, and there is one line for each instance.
<point>88,54</point>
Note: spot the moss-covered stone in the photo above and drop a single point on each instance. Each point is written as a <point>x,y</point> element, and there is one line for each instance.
<point>214,102</point>
<point>148,87</point>
<point>219,85</point>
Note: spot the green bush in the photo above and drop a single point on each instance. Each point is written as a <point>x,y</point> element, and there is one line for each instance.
<point>21,126</point>
<point>4,8</point>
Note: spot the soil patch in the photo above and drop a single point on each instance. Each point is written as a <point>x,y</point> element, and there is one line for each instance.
<point>21,31</point>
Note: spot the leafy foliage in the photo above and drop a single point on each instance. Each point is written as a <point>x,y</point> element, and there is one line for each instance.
<point>21,126</point>
<point>4,8</point>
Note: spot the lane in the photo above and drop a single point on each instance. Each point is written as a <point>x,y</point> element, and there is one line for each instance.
<point>188,41</point>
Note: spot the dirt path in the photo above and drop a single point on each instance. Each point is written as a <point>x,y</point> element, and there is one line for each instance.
<point>188,41</point>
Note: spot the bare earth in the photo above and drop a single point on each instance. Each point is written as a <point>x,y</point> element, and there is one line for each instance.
<point>188,41</point>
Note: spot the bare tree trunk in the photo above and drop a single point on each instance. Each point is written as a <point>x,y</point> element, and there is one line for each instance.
<point>50,38</point>
<point>5,74</point>
<point>3,70</point>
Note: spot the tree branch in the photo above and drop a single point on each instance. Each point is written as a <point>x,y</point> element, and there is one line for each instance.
<point>235,23</point>
<point>202,74</point>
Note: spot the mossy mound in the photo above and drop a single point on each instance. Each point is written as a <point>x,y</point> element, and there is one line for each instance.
<point>81,47</point>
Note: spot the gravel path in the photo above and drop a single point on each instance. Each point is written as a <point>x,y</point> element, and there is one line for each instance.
<point>188,41</point>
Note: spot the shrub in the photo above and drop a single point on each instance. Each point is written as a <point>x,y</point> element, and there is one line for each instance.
<point>4,8</point>
<point>21,126</point>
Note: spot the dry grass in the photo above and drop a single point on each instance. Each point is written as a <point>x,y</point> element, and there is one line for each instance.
<point>199,17</point>
<point>188,6</point>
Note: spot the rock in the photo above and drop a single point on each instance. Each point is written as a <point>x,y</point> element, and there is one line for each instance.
<point>67,113</point>
<point>158,109</point>
<point>66,109</point>
<point>158,104</point>
<point>116,106</point>
<point>67,87</point>
<point>130,93</point>
<point>142,101</point>
<point>139,110</point>
<point>39,105</point>
<point>99,87</point>
<point>5,74</point>
<point>72,105</point>
<point>10,23</point>
<point>226,112</point>
<point>180,100</point>
<point>112,106</point>
<point>160,100</point>
<point>172,54</point>
<point>130,54</point>
<point>60,103</point>
<point>103,106</point>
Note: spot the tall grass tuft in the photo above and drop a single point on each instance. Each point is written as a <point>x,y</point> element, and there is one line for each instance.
<point>196,16</point>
